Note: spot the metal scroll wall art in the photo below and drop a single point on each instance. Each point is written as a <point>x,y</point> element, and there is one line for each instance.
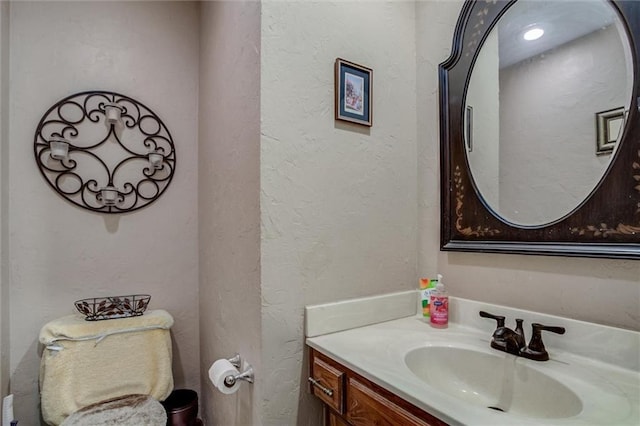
<point>105,152</point>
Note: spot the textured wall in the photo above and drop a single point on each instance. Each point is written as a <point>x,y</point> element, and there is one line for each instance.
<point>4,198</point>
<point>598,290</point>
<point>60,253</point>
<point>338,200</point>
<point>229,197</point>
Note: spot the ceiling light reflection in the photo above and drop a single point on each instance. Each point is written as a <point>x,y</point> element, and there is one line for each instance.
<point>533,34</point>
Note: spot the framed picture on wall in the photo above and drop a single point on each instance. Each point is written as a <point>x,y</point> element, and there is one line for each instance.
<point>609,125</point>
<point>353,92</point>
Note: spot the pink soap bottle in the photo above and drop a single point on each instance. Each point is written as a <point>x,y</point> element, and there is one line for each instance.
<point>439,306</point>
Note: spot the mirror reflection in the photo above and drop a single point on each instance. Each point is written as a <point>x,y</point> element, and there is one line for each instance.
<point>545,107</point>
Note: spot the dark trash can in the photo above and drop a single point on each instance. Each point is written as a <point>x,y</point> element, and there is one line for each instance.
<point>182,408</point>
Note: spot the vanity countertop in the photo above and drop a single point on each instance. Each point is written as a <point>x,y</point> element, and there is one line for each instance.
<point>609,392</point>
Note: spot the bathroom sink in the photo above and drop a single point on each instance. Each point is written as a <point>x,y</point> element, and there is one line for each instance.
<point>498,381</point>
<point>591,378</point>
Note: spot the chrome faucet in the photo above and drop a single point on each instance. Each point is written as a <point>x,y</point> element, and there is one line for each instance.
<point>513,341</point>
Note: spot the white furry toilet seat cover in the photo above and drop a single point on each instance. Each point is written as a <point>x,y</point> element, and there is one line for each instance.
<point>130,410</point>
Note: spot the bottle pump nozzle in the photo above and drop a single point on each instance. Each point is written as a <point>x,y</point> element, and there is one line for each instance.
<point>440,284</point>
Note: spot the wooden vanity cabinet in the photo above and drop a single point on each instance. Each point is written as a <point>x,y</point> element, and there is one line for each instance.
<point>351,400</point>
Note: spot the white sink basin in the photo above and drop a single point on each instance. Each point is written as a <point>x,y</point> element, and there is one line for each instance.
<point>498,381</point>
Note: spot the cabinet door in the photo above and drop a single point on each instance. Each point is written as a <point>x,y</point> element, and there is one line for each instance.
<point>334,420</point>
<point>365,407</point>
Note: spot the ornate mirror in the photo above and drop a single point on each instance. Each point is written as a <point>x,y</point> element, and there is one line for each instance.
<point>540,129</point>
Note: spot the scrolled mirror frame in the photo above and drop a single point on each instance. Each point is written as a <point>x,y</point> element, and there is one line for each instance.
<point>606,224</point>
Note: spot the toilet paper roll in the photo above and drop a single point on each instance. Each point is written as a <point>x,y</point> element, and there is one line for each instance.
<point>217,373</point>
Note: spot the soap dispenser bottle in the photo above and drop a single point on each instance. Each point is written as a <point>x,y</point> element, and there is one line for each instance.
<point>439,306</point>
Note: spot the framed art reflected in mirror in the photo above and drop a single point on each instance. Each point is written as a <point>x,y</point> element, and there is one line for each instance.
<point>609,125</point>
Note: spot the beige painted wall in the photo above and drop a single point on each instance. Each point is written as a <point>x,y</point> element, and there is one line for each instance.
<point>4,198</point>
<point>597,290</point>
<point>60,253</point>
<point>338,200</point>
<point>229,203</point>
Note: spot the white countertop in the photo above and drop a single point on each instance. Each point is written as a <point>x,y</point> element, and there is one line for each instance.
<point>610,393</point>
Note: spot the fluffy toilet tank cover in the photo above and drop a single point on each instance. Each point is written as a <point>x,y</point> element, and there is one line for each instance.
<point>74,327</point>
<point>86,362</point>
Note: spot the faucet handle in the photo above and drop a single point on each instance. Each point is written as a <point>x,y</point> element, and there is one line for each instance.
<point>499,318</point>
<point>536,350</point>
<point>539,327</point>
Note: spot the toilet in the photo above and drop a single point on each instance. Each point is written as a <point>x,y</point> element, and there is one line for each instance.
<point>110,372</point>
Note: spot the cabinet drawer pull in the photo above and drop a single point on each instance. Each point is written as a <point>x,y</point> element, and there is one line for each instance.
<point>316,383</point>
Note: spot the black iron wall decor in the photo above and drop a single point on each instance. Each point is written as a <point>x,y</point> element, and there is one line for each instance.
<point>105,152</point>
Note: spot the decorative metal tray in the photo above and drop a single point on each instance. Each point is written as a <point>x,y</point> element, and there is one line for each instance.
<point>104,308</point>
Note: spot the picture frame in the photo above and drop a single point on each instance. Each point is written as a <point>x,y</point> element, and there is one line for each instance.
<point>609,124</point>
<point>353,92</point>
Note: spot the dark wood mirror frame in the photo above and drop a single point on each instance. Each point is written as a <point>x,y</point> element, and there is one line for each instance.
<point>606,224</point>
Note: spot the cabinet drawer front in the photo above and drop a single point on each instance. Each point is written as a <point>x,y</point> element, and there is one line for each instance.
<point>365,407</point>
<point>329,378</point>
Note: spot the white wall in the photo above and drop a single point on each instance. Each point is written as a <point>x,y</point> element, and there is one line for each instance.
<point>338,200</point>
<point>60,253</point>
<point>229,203</point>
<point>598,290</point>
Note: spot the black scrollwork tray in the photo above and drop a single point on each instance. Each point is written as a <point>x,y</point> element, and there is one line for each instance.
<point>104,308</point>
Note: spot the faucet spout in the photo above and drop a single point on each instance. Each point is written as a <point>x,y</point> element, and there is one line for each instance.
<point>506,340</point>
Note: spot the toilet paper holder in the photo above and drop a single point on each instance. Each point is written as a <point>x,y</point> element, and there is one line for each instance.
<point>246,375</point>
<point>236,361</point>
